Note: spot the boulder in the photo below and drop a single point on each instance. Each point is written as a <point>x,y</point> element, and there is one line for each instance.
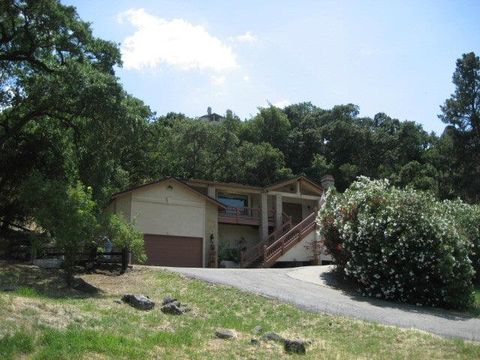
<point>224,333</point>
<point>294,346</point>
<point>254,342</point>
<point>168,299</point>
<point>139,301</point>
<point>173,308</point>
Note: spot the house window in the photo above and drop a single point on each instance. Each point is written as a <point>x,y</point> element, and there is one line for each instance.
<point>235,200</point>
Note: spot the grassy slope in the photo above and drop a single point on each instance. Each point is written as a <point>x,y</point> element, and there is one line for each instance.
<point>41,320</point>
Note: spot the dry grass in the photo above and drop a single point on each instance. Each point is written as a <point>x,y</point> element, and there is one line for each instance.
<point>43,319</point>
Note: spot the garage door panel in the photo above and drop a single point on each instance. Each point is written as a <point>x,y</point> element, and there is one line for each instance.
<point>167,250</point>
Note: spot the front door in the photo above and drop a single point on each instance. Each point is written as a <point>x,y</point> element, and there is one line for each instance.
<point>294,211</point>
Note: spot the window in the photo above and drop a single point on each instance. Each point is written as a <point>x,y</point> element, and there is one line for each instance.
<point>235,200</point>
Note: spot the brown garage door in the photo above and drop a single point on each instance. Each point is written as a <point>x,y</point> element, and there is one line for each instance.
<point>167,250</point>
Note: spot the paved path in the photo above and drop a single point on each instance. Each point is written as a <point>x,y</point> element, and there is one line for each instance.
<point>308,288</point>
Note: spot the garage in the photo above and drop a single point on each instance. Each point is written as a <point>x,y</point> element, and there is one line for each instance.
<point>168,250</point>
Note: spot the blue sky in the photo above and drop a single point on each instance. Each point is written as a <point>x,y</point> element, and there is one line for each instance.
<point>396,57</point>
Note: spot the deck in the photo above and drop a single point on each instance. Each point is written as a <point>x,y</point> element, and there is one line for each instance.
<point>244,216</point>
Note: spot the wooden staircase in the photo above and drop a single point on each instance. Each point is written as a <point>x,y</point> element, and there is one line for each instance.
<point>278,242</point>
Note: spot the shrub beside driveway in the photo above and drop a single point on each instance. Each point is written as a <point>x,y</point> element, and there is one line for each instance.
<point>400,244</point>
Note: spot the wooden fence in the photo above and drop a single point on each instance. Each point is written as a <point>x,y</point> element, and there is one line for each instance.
<point>94,258</point>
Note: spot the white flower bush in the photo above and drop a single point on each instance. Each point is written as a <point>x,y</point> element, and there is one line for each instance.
<point>399,244</point>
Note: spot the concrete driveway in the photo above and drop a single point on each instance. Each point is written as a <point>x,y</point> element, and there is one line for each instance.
<point>311,288</point>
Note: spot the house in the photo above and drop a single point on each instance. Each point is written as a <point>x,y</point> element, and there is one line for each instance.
<point>212,117</point>
<point>199,223</point>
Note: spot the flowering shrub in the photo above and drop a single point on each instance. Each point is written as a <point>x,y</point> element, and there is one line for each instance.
<point>398,244</point>
<point>468,223</point>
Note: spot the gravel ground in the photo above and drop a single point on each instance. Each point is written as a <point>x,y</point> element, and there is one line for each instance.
<point>313,288</point>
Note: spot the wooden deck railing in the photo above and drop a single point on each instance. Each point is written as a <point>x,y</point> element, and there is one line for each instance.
<point>243,215</point>
<point>286,226</point>
<point>273,251</point>
<point>252,254</point>
<point>240,215</point>
<point>255,253</point>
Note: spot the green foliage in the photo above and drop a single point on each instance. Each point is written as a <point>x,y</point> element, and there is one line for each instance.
<point>67,212</point>
<point>467,218</point>
<point>398,244</point>
<point>74,221</point>
<point>420,177</point>
<point>229,254</point>
<point>124,235</point>
<point>269,125</point>
<point>462,114</point>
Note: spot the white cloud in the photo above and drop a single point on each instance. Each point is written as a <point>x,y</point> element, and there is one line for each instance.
<point>248,37</point>
<point>282,103</point>
<point>246,78</point>
<point>176,42</point>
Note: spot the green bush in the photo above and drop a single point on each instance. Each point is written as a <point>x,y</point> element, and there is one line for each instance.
<point>397,244</point>
<point>468,223</point>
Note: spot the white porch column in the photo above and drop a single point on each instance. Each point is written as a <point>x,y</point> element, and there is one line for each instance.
<point>211,191</point>
<point>264,219</point>
<point>278,211</point>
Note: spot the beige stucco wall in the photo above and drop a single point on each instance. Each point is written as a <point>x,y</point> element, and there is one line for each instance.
<point>211,228</point>
<point>230,235</point>
<point>121,206</point>
<point>176,211</point>
<point>300,252</point>
<point>303,252</point>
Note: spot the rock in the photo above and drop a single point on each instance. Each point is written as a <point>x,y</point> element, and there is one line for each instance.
<point>173,309</point>
<point>294,346</point>
<point>176,303</point>
<point>224,333</point>
<point>172,306</point>
<point>139,302</point>
<point>272,336</point>
<point>254,341</point>
<point>168,299</point>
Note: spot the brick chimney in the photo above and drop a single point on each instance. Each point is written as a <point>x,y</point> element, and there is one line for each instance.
<point>327,181</point>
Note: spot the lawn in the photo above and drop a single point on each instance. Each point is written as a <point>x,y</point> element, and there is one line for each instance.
<point>43,320</point>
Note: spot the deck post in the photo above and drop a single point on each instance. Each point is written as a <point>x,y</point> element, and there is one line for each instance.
<point>278,211</point>
<point>264,217</point>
